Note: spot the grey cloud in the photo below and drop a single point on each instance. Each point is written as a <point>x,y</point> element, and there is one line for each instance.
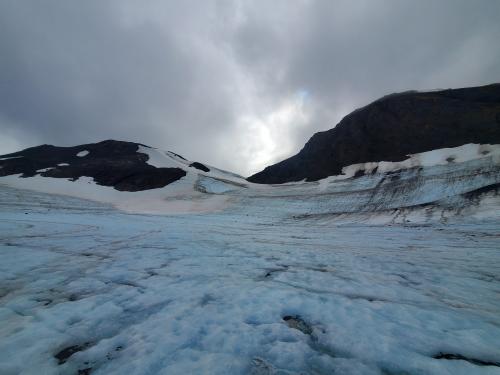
<point>184,75</point>
<point>349,53</point>
<point>76,72</point>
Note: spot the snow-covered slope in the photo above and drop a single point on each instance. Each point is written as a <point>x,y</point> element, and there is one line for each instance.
<point>432,186</point>
<point>435,185</point>
<point>188,194</point>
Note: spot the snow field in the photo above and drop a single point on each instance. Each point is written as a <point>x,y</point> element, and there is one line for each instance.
<point>208,293</point>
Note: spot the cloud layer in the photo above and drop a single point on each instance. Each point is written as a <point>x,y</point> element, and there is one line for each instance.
<point>236,84</point>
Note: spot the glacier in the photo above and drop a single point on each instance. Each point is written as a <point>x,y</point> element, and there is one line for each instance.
<point>395,270</point>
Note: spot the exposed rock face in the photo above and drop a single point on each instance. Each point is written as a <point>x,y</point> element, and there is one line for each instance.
<point>200,166</point>
<point>109,163</point>
<point>391,128</point>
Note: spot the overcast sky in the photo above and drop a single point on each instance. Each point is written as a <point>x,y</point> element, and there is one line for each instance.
<point>235,84</point>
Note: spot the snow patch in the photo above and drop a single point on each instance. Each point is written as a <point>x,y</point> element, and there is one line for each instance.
<point>160,159</point>
<point>44,169</point>
<point>12,157</point>
<point>83,153</point>
<point>432,158</point>
<point>167,159</point>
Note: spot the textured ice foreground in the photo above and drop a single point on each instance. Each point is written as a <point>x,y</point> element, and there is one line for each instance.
<point>390,268</point>
<point>87,289</point>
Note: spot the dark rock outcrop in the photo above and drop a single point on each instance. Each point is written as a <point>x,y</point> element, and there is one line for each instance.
<point>391,128</point>
<point>200,166</point>
<point>109,163</point>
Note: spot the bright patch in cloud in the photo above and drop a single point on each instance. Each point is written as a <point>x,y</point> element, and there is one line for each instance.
<point>263,140</point>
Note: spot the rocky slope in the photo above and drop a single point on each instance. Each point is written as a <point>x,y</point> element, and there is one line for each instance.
<point>109,163</point>
<point>393,127</point>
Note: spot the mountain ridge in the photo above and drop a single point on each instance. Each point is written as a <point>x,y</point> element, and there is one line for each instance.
<point>110,163</point>
<point>391,128</point>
